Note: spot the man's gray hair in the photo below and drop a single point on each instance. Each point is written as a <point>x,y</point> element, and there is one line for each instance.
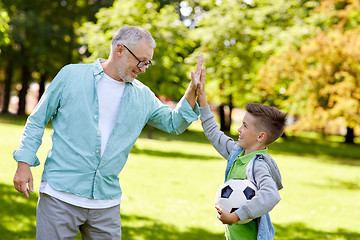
<point>131,35</point>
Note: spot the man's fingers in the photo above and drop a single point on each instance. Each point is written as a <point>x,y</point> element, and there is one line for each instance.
<point>202,77</point>
<point>199,64</point>
<point>31,187</point>
<point>23,180</point>
<point>22,188</point>
<point>194,78</point>
<point>26,193</point>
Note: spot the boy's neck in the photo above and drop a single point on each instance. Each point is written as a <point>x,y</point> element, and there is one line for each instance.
<point>250,149</point>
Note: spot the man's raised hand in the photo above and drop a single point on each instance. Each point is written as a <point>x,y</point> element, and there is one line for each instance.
<point>195,76</point>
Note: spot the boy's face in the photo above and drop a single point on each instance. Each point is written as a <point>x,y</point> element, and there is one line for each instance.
<point>248,133</point>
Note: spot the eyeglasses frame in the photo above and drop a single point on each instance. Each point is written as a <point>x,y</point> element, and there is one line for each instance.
<point>140,63</point>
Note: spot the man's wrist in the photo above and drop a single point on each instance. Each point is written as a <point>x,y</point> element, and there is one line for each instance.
<point>23,164</point>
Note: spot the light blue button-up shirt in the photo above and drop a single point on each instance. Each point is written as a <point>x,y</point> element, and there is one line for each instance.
<point>74,163</point>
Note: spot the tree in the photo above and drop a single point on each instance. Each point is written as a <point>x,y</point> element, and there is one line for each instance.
<point>4,41</point>
<point>237,37</point>
<point>43,38</point>
<point>167,76</point>
<point>320,82</point>
<point>4,26</point>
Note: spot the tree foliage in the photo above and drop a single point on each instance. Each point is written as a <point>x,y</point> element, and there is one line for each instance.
<point>238,36</point>
<point>320,82</point>
<point>167,76</point>
<point>42,38</point>
<point>4,26</point>
<point>300,55</point>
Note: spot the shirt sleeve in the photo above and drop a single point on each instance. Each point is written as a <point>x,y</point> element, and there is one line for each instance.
<point>222,143</point>
<point>35,125</point>
<point>175,120</point>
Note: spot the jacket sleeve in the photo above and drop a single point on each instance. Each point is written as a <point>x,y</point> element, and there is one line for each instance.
<point>266,197</point>
<point>222,143</point>
<point>35,125</point>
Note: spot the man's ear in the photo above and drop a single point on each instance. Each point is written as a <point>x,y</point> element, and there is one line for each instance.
<point>119,49</point>
<point>262,137</point>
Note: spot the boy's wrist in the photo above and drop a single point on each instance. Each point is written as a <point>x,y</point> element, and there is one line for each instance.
<point>202,101</point>
<point>234,217</point>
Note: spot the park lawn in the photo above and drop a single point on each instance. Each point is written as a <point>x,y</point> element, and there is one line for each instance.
<point>169,184</point>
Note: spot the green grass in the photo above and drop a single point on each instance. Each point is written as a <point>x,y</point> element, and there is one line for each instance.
<point>169,184</point>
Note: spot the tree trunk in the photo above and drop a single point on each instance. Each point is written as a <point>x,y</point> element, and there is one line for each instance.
<point>7,90</point>
<point>25,78</point>
<point>42,84</point>
<point>230,112</point>
<point>349,138</point>
<point>222,117</point>
<point>150,131</point>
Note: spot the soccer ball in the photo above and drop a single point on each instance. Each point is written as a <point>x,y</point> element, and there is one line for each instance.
<point>233,194</point>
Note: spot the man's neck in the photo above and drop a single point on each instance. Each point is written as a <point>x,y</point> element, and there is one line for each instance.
<point>109,70</point>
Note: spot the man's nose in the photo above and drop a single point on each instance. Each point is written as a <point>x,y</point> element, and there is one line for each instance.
<point>143,68</point>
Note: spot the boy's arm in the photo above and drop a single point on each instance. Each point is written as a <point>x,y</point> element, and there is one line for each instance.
<point>266,197</point>
<point>222,143</point>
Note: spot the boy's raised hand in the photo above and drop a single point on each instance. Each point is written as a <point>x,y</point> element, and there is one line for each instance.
<point>200,91</point>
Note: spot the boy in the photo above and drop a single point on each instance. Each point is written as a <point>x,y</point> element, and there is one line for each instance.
<point>248,158</point>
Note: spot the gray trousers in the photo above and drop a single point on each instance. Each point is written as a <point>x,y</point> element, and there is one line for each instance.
<point>56,219</point>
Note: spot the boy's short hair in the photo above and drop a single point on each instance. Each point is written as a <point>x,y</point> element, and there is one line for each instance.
<point>268,119</point>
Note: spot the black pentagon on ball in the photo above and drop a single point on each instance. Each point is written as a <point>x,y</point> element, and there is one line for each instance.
<point>233,210</point>
<point>249,193</point>
<point>226,192</point>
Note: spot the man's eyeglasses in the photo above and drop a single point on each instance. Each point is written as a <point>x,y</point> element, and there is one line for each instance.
<point>140,63</point>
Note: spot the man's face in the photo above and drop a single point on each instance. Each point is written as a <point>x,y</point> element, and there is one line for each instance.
<point>127,65</point>
<point>248,134</point>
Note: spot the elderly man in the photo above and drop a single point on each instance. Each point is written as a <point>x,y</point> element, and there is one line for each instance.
<point>98,111</point>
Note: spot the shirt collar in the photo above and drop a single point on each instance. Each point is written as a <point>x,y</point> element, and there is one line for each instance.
<point>247,158</point>
<point>98,69</point>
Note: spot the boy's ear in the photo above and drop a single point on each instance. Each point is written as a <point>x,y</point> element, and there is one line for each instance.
<point>262,137</point>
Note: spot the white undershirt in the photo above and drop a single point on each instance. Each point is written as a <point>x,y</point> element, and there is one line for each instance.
<point>109,93</point>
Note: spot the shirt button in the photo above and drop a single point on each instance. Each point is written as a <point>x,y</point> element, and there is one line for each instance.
<point>95,117</point>
<point>97,151</point>
<point>98,171</point>
<point>98,132</point>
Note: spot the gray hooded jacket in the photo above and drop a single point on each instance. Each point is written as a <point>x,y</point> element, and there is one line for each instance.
<point>262,169</point>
